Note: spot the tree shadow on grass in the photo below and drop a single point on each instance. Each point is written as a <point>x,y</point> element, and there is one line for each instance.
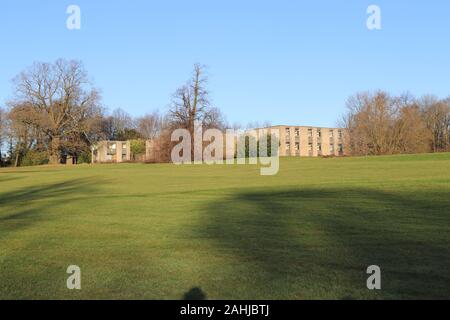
<point>317,243</point>
<point>32,252</point>
<point>27,206</point>
<point>7,178</point>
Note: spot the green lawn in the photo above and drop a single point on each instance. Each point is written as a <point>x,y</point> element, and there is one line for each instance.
<point>141,231</point>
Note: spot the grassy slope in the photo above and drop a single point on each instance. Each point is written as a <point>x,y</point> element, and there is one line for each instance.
<point>156,231</point>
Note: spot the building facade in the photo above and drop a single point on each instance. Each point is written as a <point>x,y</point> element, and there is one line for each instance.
<point>294,141</point>
<point>303,141</point>
<point>111,151</point>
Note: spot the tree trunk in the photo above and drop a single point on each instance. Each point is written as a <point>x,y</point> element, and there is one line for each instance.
<point>16,163</point>
<point>55,156</point>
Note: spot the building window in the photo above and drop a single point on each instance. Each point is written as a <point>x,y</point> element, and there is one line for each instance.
<point>319,147</point>
<point>288,145</point>
<point>331,133</point>
<point>297,146</point>
<point>310,147</point>
<point>297,132</point>
<point>340,134</point>
<point>341,148</point>
<point>310,133</point>
<point>319,133</point>
<point>124,152</point>
<point>288,131</point>
<point>331,148</point>
<point>111,148</point>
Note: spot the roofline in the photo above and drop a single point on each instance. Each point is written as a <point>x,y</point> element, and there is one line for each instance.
<point>284,125</point>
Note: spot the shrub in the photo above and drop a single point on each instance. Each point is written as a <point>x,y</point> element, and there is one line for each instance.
<point>137,148</point>
<point>84,157</point>
<point>34,158</point>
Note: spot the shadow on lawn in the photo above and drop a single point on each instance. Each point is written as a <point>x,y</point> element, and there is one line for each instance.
<point>195,293</point>
<point>324,239</point>
<point>27,206</point>
<point>7,177</point>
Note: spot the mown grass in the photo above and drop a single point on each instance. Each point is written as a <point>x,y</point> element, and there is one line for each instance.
<point>157,231</point>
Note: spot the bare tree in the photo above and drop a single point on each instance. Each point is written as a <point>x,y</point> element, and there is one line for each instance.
<point>60,99</point>
<point>369,122</point>
<point>411,134</point>
<point>121,120</point>
<point>437,118</point>
<point>119,126</point>
<point>257,124</point>
<point>214,118</point>
<point>22,130</point>
<point>150,125</point>
<point>191,104</point>
<point>381,124</point>
<point>2,132</point>
<point>236,126</point>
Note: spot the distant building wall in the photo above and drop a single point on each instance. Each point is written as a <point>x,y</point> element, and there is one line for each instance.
<point>304,141</point>
<point>294,141</point>
<point>111,152</point>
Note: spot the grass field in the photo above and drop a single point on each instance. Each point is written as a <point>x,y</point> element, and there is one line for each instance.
<point>141,231</point>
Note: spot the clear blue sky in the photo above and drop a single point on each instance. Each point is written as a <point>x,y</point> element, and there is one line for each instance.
<point>285,61</point>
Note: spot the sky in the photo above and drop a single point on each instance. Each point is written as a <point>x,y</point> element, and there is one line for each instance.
<point>280,61</point>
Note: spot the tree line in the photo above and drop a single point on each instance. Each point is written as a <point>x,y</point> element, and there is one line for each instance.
<point>378,123</point>
<point>56,112</point>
